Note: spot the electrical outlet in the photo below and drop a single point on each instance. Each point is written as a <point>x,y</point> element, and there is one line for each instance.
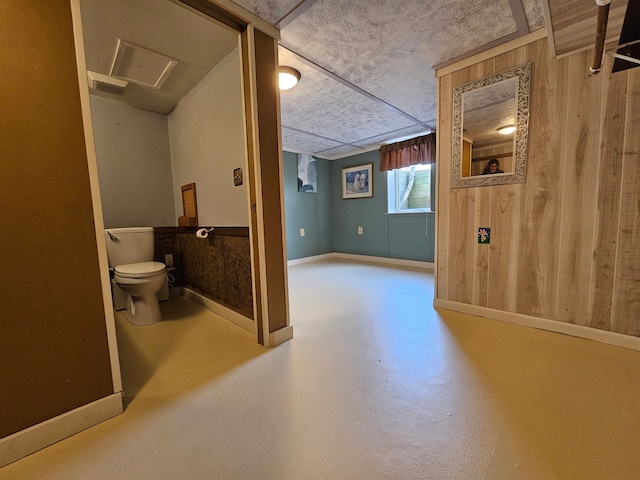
<point>359,229</point>
<point>168,259</point>
<point>302,232</point>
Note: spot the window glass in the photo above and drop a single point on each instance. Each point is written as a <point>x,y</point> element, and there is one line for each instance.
<point>410,189</point>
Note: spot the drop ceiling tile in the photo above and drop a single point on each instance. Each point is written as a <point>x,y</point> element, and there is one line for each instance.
<point>535,14</point>
<point>271,11</point>
<point>323,106</point>
<point>390,52</point>
<point>296,141</point>
<point>339,152</point>
<point>392,136</point>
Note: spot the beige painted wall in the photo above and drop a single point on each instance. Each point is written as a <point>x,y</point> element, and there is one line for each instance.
<point>208,142</point>
<point>566,244</point>
<point>134,165</point>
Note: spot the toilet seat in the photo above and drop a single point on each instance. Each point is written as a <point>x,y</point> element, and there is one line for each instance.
<point>140,270</point>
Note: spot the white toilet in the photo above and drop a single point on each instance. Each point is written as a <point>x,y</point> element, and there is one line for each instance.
<point>130,255</point>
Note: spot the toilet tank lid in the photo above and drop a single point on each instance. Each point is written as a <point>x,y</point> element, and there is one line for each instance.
<point>115,231</point>
<point>143,268</point>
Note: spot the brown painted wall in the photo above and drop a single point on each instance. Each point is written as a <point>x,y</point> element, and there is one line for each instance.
<point>566,244</point>
<point>53,345</point>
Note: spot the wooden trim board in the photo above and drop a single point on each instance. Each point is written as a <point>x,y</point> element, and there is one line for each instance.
<point>594,334</point>
<point>32,439</point>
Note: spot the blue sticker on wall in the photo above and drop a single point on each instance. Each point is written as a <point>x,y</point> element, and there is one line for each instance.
<point>484,235</point>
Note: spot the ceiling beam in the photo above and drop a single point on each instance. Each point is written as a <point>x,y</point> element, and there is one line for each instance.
<point>519,16</point>
<point>298,10</point>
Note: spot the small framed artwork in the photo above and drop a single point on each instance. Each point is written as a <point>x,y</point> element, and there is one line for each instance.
<point>307,175</point>
<point>357,182</point>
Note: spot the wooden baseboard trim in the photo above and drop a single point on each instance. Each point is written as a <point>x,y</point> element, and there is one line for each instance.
<point>224,312</point>
<point>32,439</point>
<point>588,333</point>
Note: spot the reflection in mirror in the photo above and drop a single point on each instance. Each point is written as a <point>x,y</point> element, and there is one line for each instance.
<point>490,126</point>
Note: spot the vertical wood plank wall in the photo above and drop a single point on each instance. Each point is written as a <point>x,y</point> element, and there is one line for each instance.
<point>565,245</point>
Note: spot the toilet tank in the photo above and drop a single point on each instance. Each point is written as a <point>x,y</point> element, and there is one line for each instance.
<point>129,245</point>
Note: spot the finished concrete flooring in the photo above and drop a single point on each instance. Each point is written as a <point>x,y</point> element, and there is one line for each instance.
<point>375,384</point>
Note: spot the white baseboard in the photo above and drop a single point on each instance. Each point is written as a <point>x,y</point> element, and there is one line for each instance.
<point>588,333</point>
<point>364,259</point>
<point>314,258</point>
<point>225,312</point>
<point>37,437</point>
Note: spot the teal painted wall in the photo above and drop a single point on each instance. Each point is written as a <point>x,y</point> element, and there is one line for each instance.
<point>331,223</point>
<point>366,212</point>
<point>412,236</point>
<point>311,211</point>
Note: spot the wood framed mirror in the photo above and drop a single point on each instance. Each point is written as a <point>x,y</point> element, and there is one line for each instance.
<point>483,152</point>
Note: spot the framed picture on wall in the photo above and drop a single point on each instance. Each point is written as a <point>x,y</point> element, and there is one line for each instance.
<point>357,182</point>
<point>307,176</point>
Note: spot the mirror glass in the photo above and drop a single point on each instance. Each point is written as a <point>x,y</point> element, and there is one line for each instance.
<point>490,127</point>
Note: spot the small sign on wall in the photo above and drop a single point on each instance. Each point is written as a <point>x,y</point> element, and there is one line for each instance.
<point>237,177</point>
<point>484,235</point>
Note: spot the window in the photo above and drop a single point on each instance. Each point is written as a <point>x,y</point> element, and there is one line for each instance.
<point>409,189</point>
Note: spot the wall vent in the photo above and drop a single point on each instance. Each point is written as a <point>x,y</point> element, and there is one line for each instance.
<point>105,83</point>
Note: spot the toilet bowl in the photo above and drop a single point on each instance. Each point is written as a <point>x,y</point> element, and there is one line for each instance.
<point>141,281</point>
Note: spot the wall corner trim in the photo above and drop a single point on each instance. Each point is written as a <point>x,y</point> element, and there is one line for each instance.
<point>442,69</point>
<point>580,331</point>
<point>280,336</point>
<point>219,309</point>
<point>37,437</point>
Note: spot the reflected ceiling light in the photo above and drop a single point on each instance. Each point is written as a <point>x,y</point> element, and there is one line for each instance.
<point>507,129</point>
<point>288,77</point>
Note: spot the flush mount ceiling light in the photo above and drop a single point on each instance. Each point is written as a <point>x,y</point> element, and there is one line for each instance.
<point>288,77</point>
<point>507,129</point>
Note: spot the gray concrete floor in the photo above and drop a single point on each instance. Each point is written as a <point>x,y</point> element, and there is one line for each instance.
<point>375,384</point>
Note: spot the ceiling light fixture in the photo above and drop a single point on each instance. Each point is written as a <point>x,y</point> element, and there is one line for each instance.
<point>288,77</point>
<point>507,129</point>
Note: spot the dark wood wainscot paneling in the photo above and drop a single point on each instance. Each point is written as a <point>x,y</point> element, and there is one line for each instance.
<point>218,267</point>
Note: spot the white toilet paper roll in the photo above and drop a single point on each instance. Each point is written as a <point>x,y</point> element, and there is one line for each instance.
<point>202,233</point>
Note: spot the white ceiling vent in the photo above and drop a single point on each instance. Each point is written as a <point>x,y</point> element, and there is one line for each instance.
<point>141,66</point>
<point>105,83</point>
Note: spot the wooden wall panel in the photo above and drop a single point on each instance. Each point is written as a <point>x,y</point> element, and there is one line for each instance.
<point>626,300</point>
<point>505,212</point>
<point>482,218</point>
<point>461,233</point>
<point>540,220</point>
<point>609,200</point>
<point>565,244</point>
<point>443,171</point>
<point>579,183</point>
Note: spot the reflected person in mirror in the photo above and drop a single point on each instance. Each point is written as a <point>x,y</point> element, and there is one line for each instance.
<point>492,166</point>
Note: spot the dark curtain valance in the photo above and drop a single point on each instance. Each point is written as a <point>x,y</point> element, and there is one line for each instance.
<point>415,151</point>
